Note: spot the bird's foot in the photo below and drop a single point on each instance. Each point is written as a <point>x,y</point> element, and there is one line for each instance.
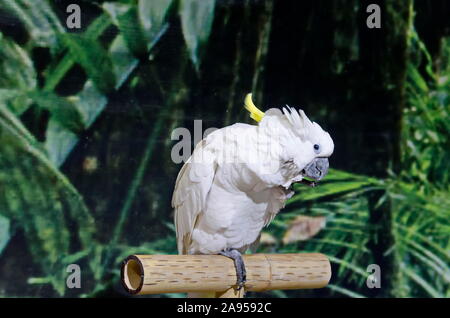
<point>236,256</point>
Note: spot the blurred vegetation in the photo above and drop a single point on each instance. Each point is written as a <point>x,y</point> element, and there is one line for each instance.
<point>86,116</point>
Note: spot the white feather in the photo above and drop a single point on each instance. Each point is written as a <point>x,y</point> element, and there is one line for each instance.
<point>237,178</point>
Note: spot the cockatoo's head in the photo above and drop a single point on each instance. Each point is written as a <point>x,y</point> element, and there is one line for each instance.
<point>305,145</point>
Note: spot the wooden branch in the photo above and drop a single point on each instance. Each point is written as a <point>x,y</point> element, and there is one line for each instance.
<point>158,274</point>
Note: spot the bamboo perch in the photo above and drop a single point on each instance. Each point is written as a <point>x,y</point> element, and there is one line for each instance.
<point>158,274</point>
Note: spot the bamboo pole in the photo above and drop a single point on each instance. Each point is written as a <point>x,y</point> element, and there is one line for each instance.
<point>208,274</point>
<point>229,293</point>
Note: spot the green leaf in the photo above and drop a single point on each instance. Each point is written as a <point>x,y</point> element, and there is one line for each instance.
<point>59,142</point>
<point>64,111</point>
<point>16,100</point>
<point>17,74</point>
<point>420,281</point>
<point>55,73</point>
<point>132,32</point>
<point>40,198</point>
<point>94,59</point>
<point>39,20</point>
<point>16,66</point>
<point>325,190</point>
<point>345,291</point>
<point>73,258</point>
<point>139,26</point>
<point>126,19</point>
<point>196,20</point>
<point>4,232</point>
<point>152,16</point>
<point>355,268</point>
<point>336,183</point>
<point>124,61</point>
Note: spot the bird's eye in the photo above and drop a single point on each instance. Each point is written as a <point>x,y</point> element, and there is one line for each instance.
<point>316,148</point>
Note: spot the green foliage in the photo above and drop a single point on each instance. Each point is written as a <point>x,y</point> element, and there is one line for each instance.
<point>62,110</point>
<point>419,197</point>
<point>421,229</point>
<point>18,74</point>
<point>337,183</point>
<point>345,236</point>
<point>5,234</point>
<point>124,16</point>
<point>15,66</point>
<point>196,19</point>
<point>89,101</point>
<point>37,198</point>
<point>427,130</point>
<point>93,58</point>
<point>152,16</point>
<point>141,25</point>
<point>124,48</point>
<point>39,19</point>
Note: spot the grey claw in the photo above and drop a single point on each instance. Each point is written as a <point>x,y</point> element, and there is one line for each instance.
<point>236,256</point>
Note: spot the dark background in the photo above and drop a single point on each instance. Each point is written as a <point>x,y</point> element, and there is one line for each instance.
<point>86,175</point>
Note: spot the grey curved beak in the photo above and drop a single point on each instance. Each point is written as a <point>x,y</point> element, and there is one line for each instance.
<point>316,169</point>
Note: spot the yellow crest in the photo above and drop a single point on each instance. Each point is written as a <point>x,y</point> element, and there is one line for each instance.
<point>255,113</point>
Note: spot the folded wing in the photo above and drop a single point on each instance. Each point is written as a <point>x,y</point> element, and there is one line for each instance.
<point>192,186</point>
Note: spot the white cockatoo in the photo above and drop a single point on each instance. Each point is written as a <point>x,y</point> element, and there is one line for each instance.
<point>240,176</point>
